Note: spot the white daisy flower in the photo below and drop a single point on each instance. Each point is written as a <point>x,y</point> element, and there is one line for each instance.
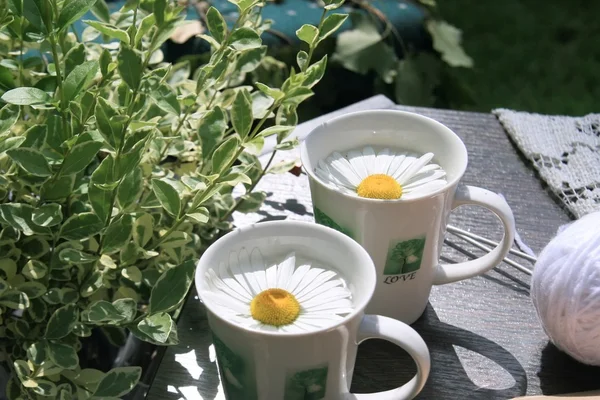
<point>386,175</point>
<point>280,297</point>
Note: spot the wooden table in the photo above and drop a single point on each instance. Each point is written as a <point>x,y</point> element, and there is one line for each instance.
<point>483,333</point>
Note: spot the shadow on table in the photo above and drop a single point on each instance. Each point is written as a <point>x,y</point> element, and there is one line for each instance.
<point>383,366</point>
<point>559,373</point>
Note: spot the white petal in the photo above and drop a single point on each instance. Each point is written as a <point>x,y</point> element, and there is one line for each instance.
<point>227,302</point>
<point>414,168</point>
<point>238,273</point>
<point>307,279</point>
<point>248,270</point>
<point>285,271</point>
<point>233,283</point>
<point>370,161</point>
<point>291,328</point>
<point>320,280</point>
<point>384,160</point>
<point>297,277</point>
<point>327,292</point>
<point>319,322</point>
<point>343,170</point>
<point>324,172</point>
<point>356,160</point>
<point>344,304</point>
<point>421,179</point>
<point>424,189</point>
<point>271,276</point>
<point>398,162</point>
<point>259,268</point>
<point>226,289</point>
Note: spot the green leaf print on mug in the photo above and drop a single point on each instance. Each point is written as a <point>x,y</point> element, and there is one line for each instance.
<point>310,384</point>
<point>404,256</point>
<point>238,379</point>
<point>324,219</point>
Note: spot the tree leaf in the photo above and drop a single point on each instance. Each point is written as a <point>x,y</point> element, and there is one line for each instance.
<point>334,4</point>
<point>211,129</point>
<point>167,196</point>
<point>74,256</point>
<point>416,79</point>
<point>302,59</point>
<point>282,167</point>
<point>62,321</point>
<point>157,326</point>
<point>38,310</point>
<point>58,189</point>
<point>331,24</point>
<point>250,59</point>
<point>255,145</point>
<point>31,160</point>
<point>224,154</point>
<point>9,114</point>
<point>14,299</point>
<point>129,64</point>
<point>101,11</point>
<point>130,188</point>
<point>127,307</point>
<point>91,284</point>
<point>166,99</point>
<point>200,216</point>
<point>72,11</point>
<point>297,95</point>
<point>171,288</point>
<point>26,96</point>
<point>81,226</point>
<point>216,24</point>
<point>34,13</point>
<point>35,137</point>
<point>79,78</point>
<point>274,93</point>
<point>80,156</point>
<point>143,229</point>
<point>36,353</point>
<point>35,269</point>
<point>307,33</point>
<point>118,381</point>
<point>241,113</point>
<point>33,290</point>
<point>47,215</point>
<point>102,311</point>
<point>176,239</point>
<point>44,387</point>
<point>244,38</point>
<point>109,30</point>
<point>18,215</point>
<point>233,178</point>
<point>63,355</point>
<point>315,72</point>
<point>447,41</point>
<point>251,202</point>
<point>275,129</point>
<point>117,234</point>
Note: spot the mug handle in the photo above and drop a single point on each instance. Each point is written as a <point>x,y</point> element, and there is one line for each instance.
<point>448,273</point>
<point>378,327</point>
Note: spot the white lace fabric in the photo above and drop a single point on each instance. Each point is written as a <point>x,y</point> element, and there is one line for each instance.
<point>564,150</point>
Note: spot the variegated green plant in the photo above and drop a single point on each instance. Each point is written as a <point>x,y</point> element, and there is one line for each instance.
<point>117,170</point>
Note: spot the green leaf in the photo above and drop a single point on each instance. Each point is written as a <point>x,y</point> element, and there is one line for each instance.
<point>167,196</point>
<point>36,352</point>
<point>9,114</point>
<point>44,388</point>
<point>14,299</point>
<point>200,216</point>
<point>37,310</point>
<point>11,143</point>
<point>251,202</point>
<point>282,167</point>
<point>211,129</point>
<point>80,156</point>
<point>72,11</point>
<point>233,178</point>
<point>69,295</point>
<point>333,5</point>
<point>331,24</point>
<point>57,189</point>
<point>53,296</point>
<point>216,24</point>
<point>225,154</point>
<point>26,96</point>
<point>35,137</point>
<point>171,288</point>
<point>63,355</point>
<point>307,33</point>
<point>32,161</point>
<point>101,11</point>
<point>117,234</point>
<point>276,94</point>
<point>7,82</point>
<point>166,99</point>
<point>82,330</point>
<point>62,321</point>
<point>105,60</point>
<point>79,78</point>
<point>127,307</point>
<point>176,239</point>
<point>91,284</point>
<point>35,269</point>
<point>244,5</point>
<point>297,95</point>
<point>118,381</point>
<point>447,41</point>
<point>147,23</point>
<point>315,72</point>
<point>160,6</point>
<point>157,326</point>
<point>75,257</point>
<point>241,113</point>
<point>250,59</point>
<point>287,145</point>
<point>143,229</point>
<point>18,215</point>
<point>172,340</point>
<point>100,201</point>
<point>102,311</point>
<point>81,226</point>
<point>33,290</point>
<point>109,30</point>
<point>244,38</point>
<point>255,145</point>
<point>275,130</point>
<point>130,67</point>
<point>302,59</point>
<point>34,13</point>
<point>130,188</point>
<point>47,215</point>
<point>416,79</point>
<point>261,105</point>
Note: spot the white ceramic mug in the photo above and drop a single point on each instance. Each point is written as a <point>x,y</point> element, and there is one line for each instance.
<point>381,226</point>
<point>259,365</point>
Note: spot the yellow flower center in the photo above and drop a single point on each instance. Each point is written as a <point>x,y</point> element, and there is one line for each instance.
<point>275,307</point>
<point>379,186</point>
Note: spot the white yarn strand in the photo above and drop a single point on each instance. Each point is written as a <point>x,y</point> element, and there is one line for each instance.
<point>565,289</point>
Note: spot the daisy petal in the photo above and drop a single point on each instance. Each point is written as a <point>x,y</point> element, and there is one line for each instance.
<point>356,160</point>
<point>285,271</point>
<point>398,161</point>
<point>429,187</point>
<point>308,279</point>
<point>226,289</point>
<point>233,283</point>
<point>421,179</point>
<point>271,276</point>
<point>326,175</point>
<point>414,168</point>
<point>297,277</point>
<point>258,268</point>
<point>343,170</point>
<point>369,159</point>
<point>325,293</point>
<point>227,302</point>
<point>316,284</point>
<point>248,270</point>
<point>339,304</point>
<point>384,159</point>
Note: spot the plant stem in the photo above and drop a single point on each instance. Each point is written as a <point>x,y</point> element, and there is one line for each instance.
<point>66,125</point>
<point>21,76</point>
<point>313,46</point>
<point>132,38</point>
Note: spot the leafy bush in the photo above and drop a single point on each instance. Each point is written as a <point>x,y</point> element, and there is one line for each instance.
<point>117,170</point>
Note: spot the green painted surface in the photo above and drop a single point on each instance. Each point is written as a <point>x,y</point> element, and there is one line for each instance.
<point>404,257</point>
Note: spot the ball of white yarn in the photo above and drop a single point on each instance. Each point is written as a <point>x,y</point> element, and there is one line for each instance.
<point>565,289</point>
